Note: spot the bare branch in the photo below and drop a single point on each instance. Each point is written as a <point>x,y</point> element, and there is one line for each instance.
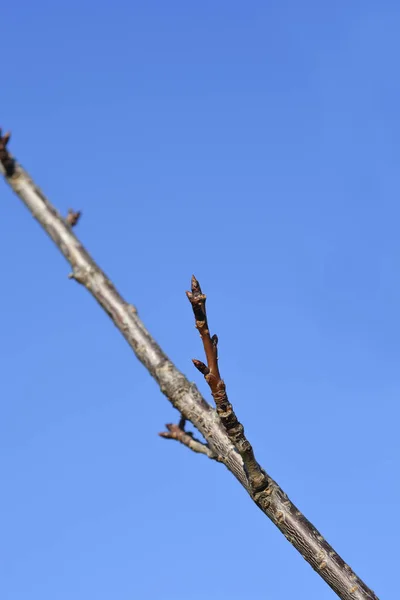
<point>182,394</point>
<point>178,433</point>
<point>258,481</point>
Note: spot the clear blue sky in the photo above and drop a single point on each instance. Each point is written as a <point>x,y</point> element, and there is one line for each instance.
<point>256,145</point>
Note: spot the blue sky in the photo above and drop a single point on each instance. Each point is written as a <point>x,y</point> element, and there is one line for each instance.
<point>253,144</point>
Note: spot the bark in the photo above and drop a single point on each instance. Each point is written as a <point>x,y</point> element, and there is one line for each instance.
<point>224,434</point>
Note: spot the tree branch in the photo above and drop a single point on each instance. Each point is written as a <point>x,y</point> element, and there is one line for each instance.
<point>178,433</point>
<point>257,479</point>
<point>184,395</point>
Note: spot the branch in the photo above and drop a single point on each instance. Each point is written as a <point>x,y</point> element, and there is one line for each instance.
<point>178,433</point>
<point>257,479</point>
<point>184,395</point>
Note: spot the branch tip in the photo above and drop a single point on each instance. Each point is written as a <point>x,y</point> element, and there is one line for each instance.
<point>73,217</point>
<point>6,159</point>
<point>200,366</point>
<point>195,284</point>
<point>6,138</point>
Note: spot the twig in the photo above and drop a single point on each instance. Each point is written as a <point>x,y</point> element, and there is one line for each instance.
<point>182,394</point>
<point>6,159</point>
<point>73,217</point>
<point>258,481</point>
<point>178,433</point>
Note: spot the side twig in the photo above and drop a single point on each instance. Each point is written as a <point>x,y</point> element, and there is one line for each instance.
<point>178,433</point>
<point>73,217</point>
<point>183,395</point>
<point>257,479</point>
